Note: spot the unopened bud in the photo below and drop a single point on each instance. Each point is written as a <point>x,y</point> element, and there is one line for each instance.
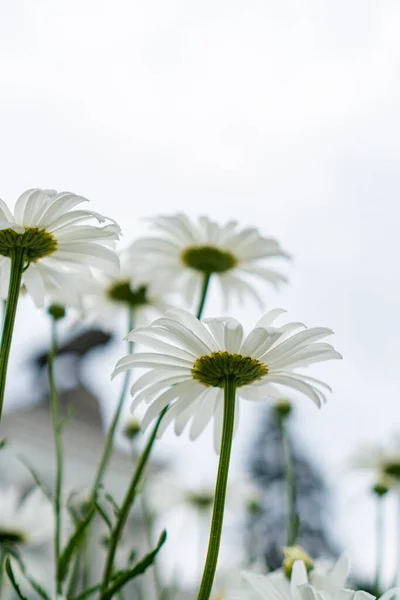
<point>283,407</point>
<point>293,553</point>
<point>131,428</point>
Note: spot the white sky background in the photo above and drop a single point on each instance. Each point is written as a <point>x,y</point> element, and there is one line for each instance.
<point>280,114</point>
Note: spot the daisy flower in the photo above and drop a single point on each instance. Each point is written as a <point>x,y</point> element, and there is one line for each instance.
<point>192,360</point>
<point>186,252</point>
<point>283,583</point>
<point>39,243</point>
<point>115,293</point>
<point>26,523</point>
<point>165,495</point>
<point>276,587</point>
<point>54,239</point>
<point>384,460</point>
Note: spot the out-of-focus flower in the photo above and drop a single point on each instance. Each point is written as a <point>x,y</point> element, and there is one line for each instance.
<point>112,294</point>
<point>165,495</point>
<point>56,240</point>
<point>383,459</point>
<point>25,523</point>
<point>193,359</point>
<point>186,251</point>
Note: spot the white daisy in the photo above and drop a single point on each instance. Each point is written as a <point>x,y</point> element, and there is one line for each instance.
<point>114,293</point>
<point>275,587</point>
<point>193,359</point>
<point>167,495</point>
<point>282,586</point>
<point>25,523</point>
<point>187,251</point>
<point>55,238</point>
<point>384,460</point>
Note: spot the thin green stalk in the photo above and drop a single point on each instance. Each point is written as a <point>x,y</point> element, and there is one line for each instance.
<point>17,266</point>
<point>58,449</point>
<point>2,569</point>
<point>148,525</point>
<point>379,544</point>
<point>126,506</point>
<point>139,470</point>
<point>203,295</point>
<point>290,484</point>
<point>105,459</point>
<point>397,575</point>
<point>220,490</point>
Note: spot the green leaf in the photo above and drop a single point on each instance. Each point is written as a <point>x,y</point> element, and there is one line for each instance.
<point>11,577</point>
<point>88,592</point>
<point>73,543</point>
<point>35,585</point>
<point>3,443</point>
<point>37,479</point>
<point>116,508</point>
<point>137,570</point>
<point>103,515</point>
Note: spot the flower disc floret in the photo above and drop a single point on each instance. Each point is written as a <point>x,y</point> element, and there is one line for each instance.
<point>122,292</point>
<point>208,259</point>
<point>213,370</point>
<point>36,242</point>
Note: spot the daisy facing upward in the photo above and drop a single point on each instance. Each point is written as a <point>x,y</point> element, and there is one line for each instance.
<point>186,255</point>
<point>196,370</point>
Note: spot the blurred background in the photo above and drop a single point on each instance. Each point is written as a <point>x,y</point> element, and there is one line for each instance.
<point>284,115</point>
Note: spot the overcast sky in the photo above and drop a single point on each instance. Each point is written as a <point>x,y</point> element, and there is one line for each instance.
<point>280,114</point>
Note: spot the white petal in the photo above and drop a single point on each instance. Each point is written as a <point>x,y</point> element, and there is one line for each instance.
<point>339,573</point>
<point>34,284</point>
<point>193,324</point>
<point>204,413</point>
<point>269,318</point>
<point>5,213</point>
<point>233,336</point>
<point>154,344</point>
<point>189,388</point>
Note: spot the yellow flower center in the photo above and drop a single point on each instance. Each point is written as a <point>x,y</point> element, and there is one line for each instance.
<point>208,259</point>
<point>213,369</point>
<point>36,242</point>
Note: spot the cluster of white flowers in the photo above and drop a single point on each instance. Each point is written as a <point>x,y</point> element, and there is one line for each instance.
<point>65,256</point>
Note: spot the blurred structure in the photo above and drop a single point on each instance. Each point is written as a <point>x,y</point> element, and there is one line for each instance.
<point>266,527</point>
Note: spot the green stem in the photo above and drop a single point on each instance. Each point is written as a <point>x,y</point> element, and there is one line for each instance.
<point>105,459</point>
<point>126,506</point>
<point>148,525</point>
<point>397,575</point>
<point>130,495</point>
<point>204,290</point>
<point>290,484</point>
<point>379,544</point>
<point>220,490</point>
<point>2,569</point>
<point>58,448</point>
<point>17,266</point>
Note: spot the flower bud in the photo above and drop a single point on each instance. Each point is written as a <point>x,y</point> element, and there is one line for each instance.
<point>293,553</point>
